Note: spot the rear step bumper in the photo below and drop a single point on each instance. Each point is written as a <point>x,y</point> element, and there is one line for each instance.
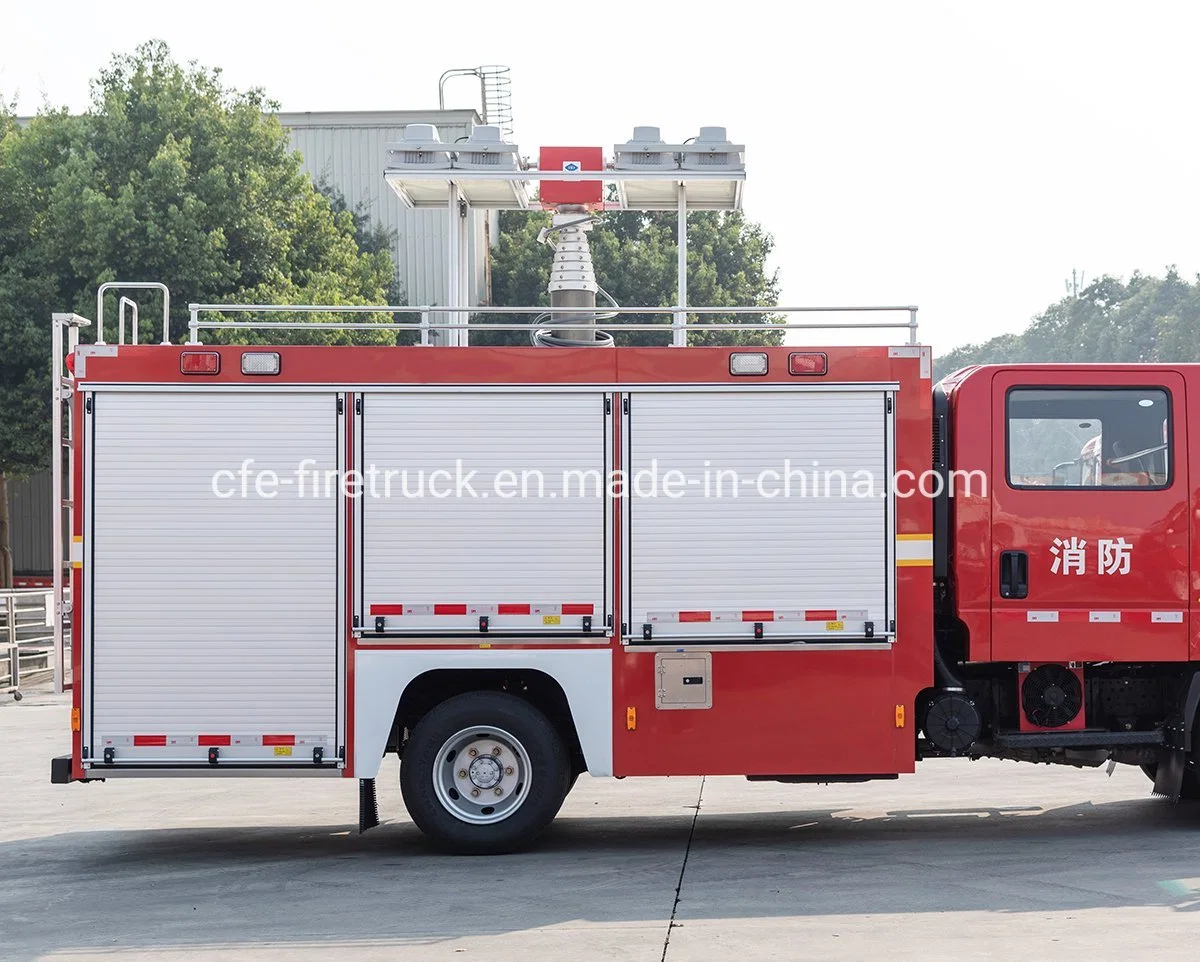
<point>1082,739</point>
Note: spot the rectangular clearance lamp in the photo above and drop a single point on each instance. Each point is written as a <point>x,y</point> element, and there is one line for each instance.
<point>260,362</point>
<point>745,363</point>
<point>809,363</point>
<point>199,362</point>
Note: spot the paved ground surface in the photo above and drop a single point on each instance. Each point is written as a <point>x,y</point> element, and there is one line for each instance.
<point>961,861</point>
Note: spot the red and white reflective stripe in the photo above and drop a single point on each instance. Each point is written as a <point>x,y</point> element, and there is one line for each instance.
<point>507,608</point>
<point>210,740</point>
<point>1105,617</point>
<point>755,615</point>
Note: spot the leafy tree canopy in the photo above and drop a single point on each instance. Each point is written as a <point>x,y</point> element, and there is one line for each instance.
<point>635,257</point>
<point>169,175</point>
<point>1143,319</point>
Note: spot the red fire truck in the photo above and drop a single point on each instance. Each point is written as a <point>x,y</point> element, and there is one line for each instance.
<point>512,565</point>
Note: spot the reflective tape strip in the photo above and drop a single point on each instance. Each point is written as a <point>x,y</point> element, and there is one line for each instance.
<point>513,608</point>
<point>77,551</point>
<point>1040,616</point>
<point>209,740</point>
<point>812,615</point>
<point>1104,617</point>
<point>914,550</point>
<point>1166,617</point>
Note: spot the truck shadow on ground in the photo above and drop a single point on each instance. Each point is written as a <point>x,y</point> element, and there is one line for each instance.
<point>290,884</point>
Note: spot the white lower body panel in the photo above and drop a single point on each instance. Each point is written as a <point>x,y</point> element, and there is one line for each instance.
<point>381,677</point>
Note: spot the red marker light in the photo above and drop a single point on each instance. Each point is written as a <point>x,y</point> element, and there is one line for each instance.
<point>816,363</point>
<point>199,362</point>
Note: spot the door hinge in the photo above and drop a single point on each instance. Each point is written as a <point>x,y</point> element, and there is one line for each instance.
<point>608,405</point>
<point>888,406</point>
<point>87,405</point>
<point>625,405</point>
<point>358,405</point>
<point>341,406</point>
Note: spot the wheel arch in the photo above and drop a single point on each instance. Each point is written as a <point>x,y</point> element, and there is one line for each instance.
<point>532,685</point>
<point>573,688</point>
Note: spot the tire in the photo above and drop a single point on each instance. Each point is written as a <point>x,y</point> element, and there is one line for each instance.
<point>1191,782</point>
<point>512,788</point>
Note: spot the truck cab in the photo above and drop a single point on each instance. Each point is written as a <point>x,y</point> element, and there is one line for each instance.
<point>1064,563</point>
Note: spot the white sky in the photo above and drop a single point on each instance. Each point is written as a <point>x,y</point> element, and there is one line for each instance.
<point>962,156</point>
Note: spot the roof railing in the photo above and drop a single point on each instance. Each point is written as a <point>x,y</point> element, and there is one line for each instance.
<point>425,324</point>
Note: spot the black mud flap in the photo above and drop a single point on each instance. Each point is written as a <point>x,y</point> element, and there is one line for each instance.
<point>1180,744</point>
<point>368,805</point>
<point>1168,780</point>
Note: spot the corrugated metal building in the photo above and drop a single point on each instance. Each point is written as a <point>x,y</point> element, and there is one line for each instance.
<point>347,149</point>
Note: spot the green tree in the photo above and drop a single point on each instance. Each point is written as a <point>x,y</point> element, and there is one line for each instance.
<point>1142,319</point>
<point>635,256</point>
<point>169,175</point>
<point>373,236</point>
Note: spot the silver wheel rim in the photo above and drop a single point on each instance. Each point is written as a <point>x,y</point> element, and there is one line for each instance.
<point>482,775</point>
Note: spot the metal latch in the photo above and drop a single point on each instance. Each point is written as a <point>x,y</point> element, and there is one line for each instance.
<point>318,755</point>
<point>379,623</point>
<point>647,632</point>
<point>587,624</point>
<point>869,629</point>
<point>110,755</point>
<point>483,624</point>
<point>214,756</point>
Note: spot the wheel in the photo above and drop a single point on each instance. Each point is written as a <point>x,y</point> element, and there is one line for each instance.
<point>484,773</point>
<point>1191,782</point>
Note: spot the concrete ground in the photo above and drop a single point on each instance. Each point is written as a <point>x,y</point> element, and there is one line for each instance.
<point>961,861</point>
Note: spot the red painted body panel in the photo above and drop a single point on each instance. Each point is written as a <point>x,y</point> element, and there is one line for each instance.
<point>839,706</point>
<point>774,713</point>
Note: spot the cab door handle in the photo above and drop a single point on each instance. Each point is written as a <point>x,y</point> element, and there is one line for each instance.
<point>1014,574</point>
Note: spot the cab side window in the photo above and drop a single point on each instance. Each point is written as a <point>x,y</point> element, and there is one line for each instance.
<point>1089,438</point>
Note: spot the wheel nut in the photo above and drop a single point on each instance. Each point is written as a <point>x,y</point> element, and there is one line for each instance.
<point>499,792</point>
<point>474,792</point>
<point>496,750</point>
<point>508,771</point>
<point>472,752</point>
<point>462,773</point>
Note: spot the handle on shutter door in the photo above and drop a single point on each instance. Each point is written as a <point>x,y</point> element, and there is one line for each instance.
<point>1014,574</point>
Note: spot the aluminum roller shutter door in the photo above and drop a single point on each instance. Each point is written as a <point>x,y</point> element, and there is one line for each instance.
<point>212,616</point>
<point>709,567</point>
<point>436,565</point>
